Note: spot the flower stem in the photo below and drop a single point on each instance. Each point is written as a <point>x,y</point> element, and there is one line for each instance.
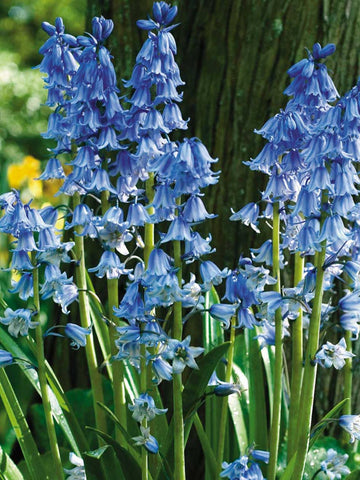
<point>225,401</point>
<point>120,408</point>
<point>179,443</point>
<point>276,413</point>
<point>149,246</point>
<point>95,377</point>
<point>308,386</point>
<point>345,439</point>
<point>296,363</point>
<point>50,427</point>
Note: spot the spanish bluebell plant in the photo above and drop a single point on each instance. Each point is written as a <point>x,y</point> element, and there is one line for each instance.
<point>113,147</point>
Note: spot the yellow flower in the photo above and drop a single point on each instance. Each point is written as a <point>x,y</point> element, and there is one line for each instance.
<point>24,173</point>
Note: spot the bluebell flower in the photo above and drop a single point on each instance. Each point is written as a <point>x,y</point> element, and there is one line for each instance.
<point>179,230</point>
<point>21,261</point>
<point>223,389</point>
<point>195,211</point>
<point>211,274</point>
<point>5,358</point>
<point>26,242</point>
<point>52,170</point>
<point>333,355</point>
<point>350,302</point>
<point>132,304</point>
<point>191,294</point>
<point>18,321</point>
<point>223,312</point>
<point>147,440</point>
<point>248,215</point>
<point>59,287</point>
<point>163,290</point>
<point>334,230</point>
<point>161,369</point>
<point>263,254</point>
<point>351,423</point>
<point>110,266</point>
<point>160,263</point>
<point>78,472</point>
<point>273,300</point>
<point>77,334</point>
<point>245,467</point>
<point>351,322</point>
<point>81,216</point>
<point>182,354</point>
<point>144,407</point>
<point>334,465</point>
<point>137,215</point>
<point>197,247</point>
<point>23,287</point>
<point>246,318</point>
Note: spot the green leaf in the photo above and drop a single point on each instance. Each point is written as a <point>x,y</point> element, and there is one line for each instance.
<point>213,332</point>
<point>60,407</point>
<point>47,465</point>
<point>258,420</point>
<point>130,465</point>
<point>287,473</point>
<point>117,423</point>
<point>213,335</point>
<point>353,475</point>
<point>198,379</point>
<point>102,464</point>
<point>8,469</point>
<point>237,406</point>
<point>320,426</point>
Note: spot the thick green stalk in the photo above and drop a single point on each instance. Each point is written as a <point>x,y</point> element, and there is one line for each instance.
<point>21,428</point>
<point>144,377</point>
<point>179,443</point>
<point>225,400</point>
<point>54,447</point>
<point>296,364</point>
<point>276,413</point>
<point>308,386</point>
<point>347,387</point>
<point>84,308</point>
<point>120,407</point>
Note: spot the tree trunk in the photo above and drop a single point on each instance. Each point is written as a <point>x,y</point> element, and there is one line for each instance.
<point>233,56</point>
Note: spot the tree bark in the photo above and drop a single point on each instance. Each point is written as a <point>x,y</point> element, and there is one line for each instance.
<point>233,56</point>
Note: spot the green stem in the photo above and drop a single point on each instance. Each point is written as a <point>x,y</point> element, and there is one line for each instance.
<point>296,363</point>
<point>21,428</point>
<point>54,447</point>
<point>345,439</point>
<point>206,446</point>
<point>144,377</point>
<point>225,400</point>
<point>120,407</point>
<point>84,308</point>
<point>179,443</point>
<point>308,386</point>
<point>276,413</point>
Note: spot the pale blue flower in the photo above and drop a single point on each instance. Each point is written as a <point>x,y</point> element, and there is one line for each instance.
<point>334,465</point>
<point>147,440</point>
<point>18,321</point>
<point>351,423</point>
<point>144,407</point>
<point>331,355</point>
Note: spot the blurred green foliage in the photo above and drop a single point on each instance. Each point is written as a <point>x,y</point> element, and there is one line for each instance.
<point>20,24</point>
<point>22,116</point>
